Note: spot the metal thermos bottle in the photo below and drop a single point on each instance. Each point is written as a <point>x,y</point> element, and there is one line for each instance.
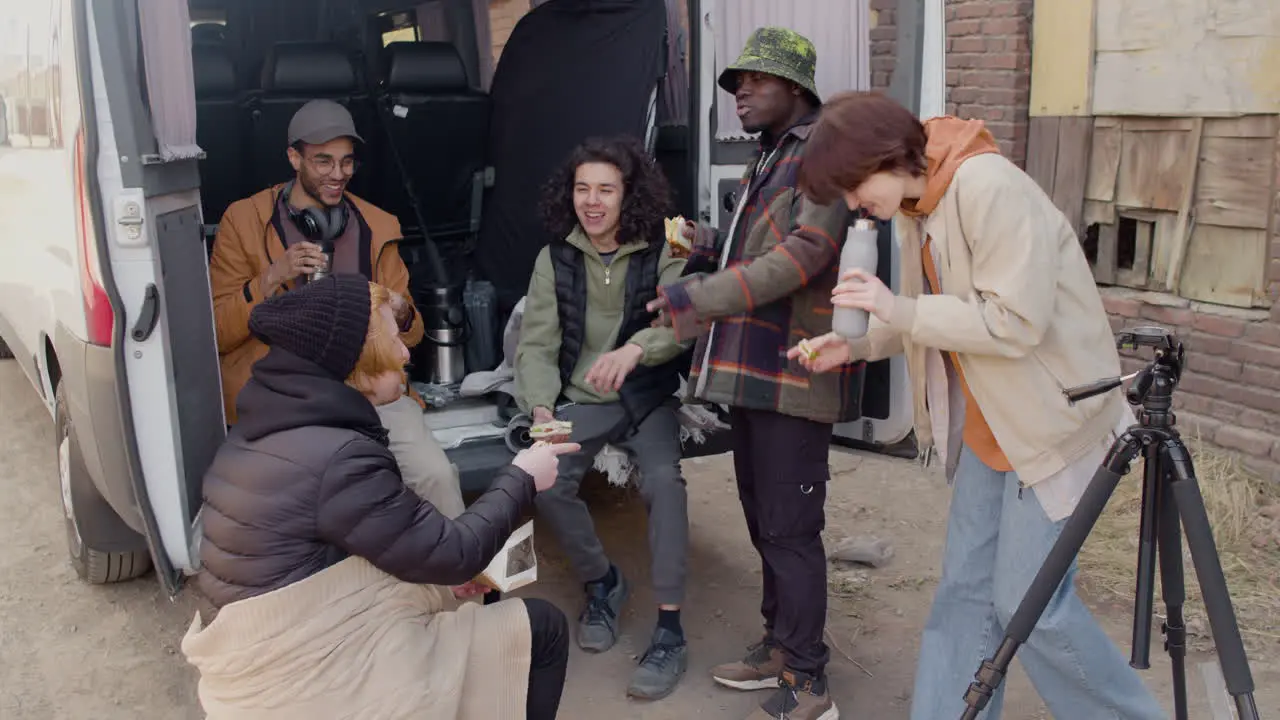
<point>861,250</point>
<point>444,328</point>
<point>323,272</point>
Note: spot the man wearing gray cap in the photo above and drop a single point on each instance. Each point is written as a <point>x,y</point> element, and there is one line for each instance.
<point>281,237</point>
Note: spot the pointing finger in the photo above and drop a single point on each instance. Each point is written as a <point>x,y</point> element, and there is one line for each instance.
<point>563,448</point>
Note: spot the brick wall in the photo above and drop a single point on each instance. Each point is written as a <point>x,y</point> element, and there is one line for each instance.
<point>989,67</point>
<point>884,37</point>
<point>988,63</point>
<point>1230,389</point>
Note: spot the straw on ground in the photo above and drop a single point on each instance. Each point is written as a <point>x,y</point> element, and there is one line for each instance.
<point>1244,511</point>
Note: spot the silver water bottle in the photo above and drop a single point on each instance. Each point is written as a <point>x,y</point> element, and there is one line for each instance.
<point>861,250</point>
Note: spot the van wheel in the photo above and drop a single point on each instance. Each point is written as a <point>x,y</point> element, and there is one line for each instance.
<point>84,508</point>
<point>5,352</point>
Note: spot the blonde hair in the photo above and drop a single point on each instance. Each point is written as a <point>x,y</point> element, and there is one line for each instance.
<point>381,352</point>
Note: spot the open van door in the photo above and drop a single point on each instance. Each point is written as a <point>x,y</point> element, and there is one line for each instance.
<point>919,83</point>
<point>154,268</point>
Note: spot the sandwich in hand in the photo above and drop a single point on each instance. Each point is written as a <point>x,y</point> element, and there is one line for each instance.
<point>551,433</point>
<point>808,350</point>
<point>680,245</point>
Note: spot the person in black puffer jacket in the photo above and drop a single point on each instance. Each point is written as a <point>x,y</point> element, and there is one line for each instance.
<point>305,494</point>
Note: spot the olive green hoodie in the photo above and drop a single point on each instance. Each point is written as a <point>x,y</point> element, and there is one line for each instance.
<point>538,354</point>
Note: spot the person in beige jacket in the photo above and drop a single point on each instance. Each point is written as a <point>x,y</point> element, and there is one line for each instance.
<point>997,313</point>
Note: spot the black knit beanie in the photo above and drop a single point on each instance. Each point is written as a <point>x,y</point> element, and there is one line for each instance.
<point>324,321</point>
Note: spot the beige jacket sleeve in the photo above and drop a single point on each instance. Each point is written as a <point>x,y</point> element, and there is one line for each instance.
<point>1011,229</point>
<point>880,342</point>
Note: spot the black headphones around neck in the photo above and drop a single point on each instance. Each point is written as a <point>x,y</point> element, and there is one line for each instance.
<point>317,225</point>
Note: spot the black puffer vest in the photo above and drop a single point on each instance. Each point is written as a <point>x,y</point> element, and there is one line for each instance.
<point>647,387</point>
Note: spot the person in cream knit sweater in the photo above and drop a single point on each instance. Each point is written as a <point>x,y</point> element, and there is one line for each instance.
<point>997,314</point>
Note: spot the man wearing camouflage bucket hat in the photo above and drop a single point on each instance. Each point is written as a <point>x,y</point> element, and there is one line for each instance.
<point>748,295</point>
<point>778,52</point>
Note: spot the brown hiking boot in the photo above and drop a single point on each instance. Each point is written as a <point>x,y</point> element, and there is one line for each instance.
<point>799,697</point>
<point>757,671</point>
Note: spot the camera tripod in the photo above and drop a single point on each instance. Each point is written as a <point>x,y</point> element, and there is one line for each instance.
<point>1169,492</point>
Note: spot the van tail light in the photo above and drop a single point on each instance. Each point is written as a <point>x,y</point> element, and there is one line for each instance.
<point>99,318</point>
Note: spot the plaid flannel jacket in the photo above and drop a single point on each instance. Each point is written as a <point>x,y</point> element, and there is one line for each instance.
<point>775,290</point>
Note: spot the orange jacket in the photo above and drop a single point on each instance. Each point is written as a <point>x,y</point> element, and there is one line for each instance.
<point>248,242</point>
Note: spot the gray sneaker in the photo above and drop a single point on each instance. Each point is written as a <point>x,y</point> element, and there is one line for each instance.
<point>598,623</point>
<point>661,667</point>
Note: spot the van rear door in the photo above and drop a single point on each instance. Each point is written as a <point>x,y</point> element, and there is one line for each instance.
<point>155,268</point>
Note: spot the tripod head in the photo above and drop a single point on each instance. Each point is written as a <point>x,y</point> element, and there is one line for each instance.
<point>1153,385</point>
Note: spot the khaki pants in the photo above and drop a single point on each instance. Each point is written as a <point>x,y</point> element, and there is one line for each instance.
<point>423,464</point>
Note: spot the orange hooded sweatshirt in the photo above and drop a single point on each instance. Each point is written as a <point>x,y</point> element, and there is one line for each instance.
<point>949,142</point>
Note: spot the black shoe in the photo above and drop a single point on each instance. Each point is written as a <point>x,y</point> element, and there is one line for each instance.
<point>598,623</point>
<point>661,667</point>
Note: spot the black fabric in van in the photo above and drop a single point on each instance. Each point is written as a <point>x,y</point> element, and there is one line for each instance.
<point>220,130</point>
<point>439,127</point>
<point>572,69</point>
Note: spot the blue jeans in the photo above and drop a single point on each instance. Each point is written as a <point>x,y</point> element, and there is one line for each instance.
<point>996,542</point>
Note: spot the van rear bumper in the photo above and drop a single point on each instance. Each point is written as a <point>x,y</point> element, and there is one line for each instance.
<point>92,393</point>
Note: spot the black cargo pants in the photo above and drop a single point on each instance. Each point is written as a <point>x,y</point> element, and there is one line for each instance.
<point>781,464</point>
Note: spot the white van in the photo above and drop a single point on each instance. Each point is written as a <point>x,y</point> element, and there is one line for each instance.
<point>127,126</point>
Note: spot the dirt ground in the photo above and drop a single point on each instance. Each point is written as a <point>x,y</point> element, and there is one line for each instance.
<point>70,650</point>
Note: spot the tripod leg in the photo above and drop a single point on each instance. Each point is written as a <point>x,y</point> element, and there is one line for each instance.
<point>1140,656</point>
<point>1172,586</point>
<point>1213,584</point>
<point>1054,569</point>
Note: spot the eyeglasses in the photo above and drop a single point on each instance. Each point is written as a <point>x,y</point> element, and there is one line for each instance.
<point>324,164</point>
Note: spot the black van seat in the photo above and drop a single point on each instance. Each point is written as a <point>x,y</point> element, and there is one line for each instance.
<point>293,74</point>
<point>439,126</point>
<point>220,130</point>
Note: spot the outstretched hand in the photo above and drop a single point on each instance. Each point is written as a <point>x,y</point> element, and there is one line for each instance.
<point>822,354</point>
<point>469,590</point>
<point>542,461</point>
<point>611,369</point>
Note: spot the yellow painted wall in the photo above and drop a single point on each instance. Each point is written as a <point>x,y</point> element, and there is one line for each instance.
<point>1062,57</point>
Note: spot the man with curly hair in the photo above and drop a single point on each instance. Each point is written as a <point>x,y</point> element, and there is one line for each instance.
<point>589,355</point>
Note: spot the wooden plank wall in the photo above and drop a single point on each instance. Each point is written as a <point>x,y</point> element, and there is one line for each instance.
<point>1058,159</point>
<point>1179,205</point>
<point>1185,58</point>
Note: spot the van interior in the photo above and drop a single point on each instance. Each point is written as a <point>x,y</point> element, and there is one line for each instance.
<point>461,167</point>
<point>459,153</point>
